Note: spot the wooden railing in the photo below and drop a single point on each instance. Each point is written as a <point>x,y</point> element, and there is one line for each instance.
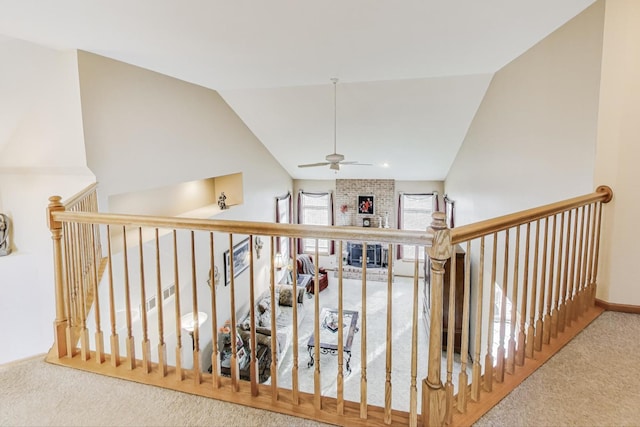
<point>160,273</point>
<point>543,266</point>
<point>77,276</point>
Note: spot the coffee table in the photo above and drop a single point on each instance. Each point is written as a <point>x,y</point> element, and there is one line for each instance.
<point>329,334</point>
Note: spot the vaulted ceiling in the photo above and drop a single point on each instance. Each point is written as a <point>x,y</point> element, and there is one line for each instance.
<point>412,72</point>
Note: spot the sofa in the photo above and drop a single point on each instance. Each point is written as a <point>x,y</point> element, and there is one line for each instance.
<point>284,329</point>
<point>305,265</point>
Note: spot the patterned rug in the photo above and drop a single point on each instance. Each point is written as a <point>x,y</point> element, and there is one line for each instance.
<point>376,304</point>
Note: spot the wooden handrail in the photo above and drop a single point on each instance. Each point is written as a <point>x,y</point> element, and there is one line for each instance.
<point>385,235</point>
<point>79,196</point>
<point>483,228</point>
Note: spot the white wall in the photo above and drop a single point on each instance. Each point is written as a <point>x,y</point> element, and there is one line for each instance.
<point>41,154</point>
<point>618,152</point>
<point>532,140</point>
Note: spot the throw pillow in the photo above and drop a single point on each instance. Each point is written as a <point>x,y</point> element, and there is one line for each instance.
<point>286,297</point>
<point>264,305</point>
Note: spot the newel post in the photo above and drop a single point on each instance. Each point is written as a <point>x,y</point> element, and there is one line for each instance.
<point>433,393</point>
<point>61,323</point>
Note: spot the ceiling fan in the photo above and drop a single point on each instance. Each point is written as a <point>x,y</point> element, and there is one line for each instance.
<point>334,160</point>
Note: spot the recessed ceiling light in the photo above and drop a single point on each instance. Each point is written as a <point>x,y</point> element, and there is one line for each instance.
<point>385,165</point>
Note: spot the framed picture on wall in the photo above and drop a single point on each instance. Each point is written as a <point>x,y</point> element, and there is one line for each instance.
<point>366,205</point>
<point>240,260</point>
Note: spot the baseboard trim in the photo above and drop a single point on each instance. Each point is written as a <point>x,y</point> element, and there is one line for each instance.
<point>622,308</point>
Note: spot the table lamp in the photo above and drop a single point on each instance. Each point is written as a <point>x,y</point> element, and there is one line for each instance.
<point>188,323</point>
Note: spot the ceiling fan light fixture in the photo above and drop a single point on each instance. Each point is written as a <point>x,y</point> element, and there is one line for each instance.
<point>334,166</point>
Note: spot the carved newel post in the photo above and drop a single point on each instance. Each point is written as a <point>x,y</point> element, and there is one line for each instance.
<point>61,323</point>
<point>433,393</point>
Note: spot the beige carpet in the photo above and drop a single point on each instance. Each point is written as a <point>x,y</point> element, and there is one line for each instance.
<point>35,393</point>
<point>593,381</point>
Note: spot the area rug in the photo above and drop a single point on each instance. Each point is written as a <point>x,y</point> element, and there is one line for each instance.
<point>376,304</point>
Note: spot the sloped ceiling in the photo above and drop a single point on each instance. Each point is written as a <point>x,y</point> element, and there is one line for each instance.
<point>412,73</point>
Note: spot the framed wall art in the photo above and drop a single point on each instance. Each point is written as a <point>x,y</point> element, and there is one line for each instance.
<point>240,260</point>
<point>366,205</point>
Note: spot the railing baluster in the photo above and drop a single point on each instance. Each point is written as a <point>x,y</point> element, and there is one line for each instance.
<point>555,313</point>
<point>592,241</point>
<point>99,338</point>
<point>146,345</point>
<point>413,386</point>
<point>389,347</point>
<point>317,396</point>
<point>596,255</point>
<point>197,375</point>
<point>537,344</point>
<point>253,351</point>
<point>464,348</point>
<point>584,239</point>
<point>235,368</point>
<point>575,269</point>
<point>215,354</point>
<point>488,360</point>
<point>563,291</point>
<point>528,351</point>
<point>176,279</point>
<point>363,342</point>
<point>511,352</point>
<point>477,368</point>
<point>503,311</point>
<point>115,349</point>
<point>131,355</point>
<point>451,333</point>
<point>340,374</point>
<point>546,323</point>
<point>162,346</point>
<point>85,351</point>
<point>68,291</point>
<point>295,383</point>
<point>521,347</point>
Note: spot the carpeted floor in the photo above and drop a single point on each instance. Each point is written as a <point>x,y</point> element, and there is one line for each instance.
<point>35,393</point>
<point>593,381</point>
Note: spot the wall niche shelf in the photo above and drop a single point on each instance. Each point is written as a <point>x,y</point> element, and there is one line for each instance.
<point>193,199</point>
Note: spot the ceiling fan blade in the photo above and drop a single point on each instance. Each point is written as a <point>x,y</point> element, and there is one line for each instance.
<point>356,164</point>
<point>312,165</point>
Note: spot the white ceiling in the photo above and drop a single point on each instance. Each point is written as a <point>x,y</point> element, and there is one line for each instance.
<point>412,72</point>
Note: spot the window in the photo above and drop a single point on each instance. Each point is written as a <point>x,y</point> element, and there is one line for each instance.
<point>315,209</point>
<point>414,214</point>
<point>283,216</point>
